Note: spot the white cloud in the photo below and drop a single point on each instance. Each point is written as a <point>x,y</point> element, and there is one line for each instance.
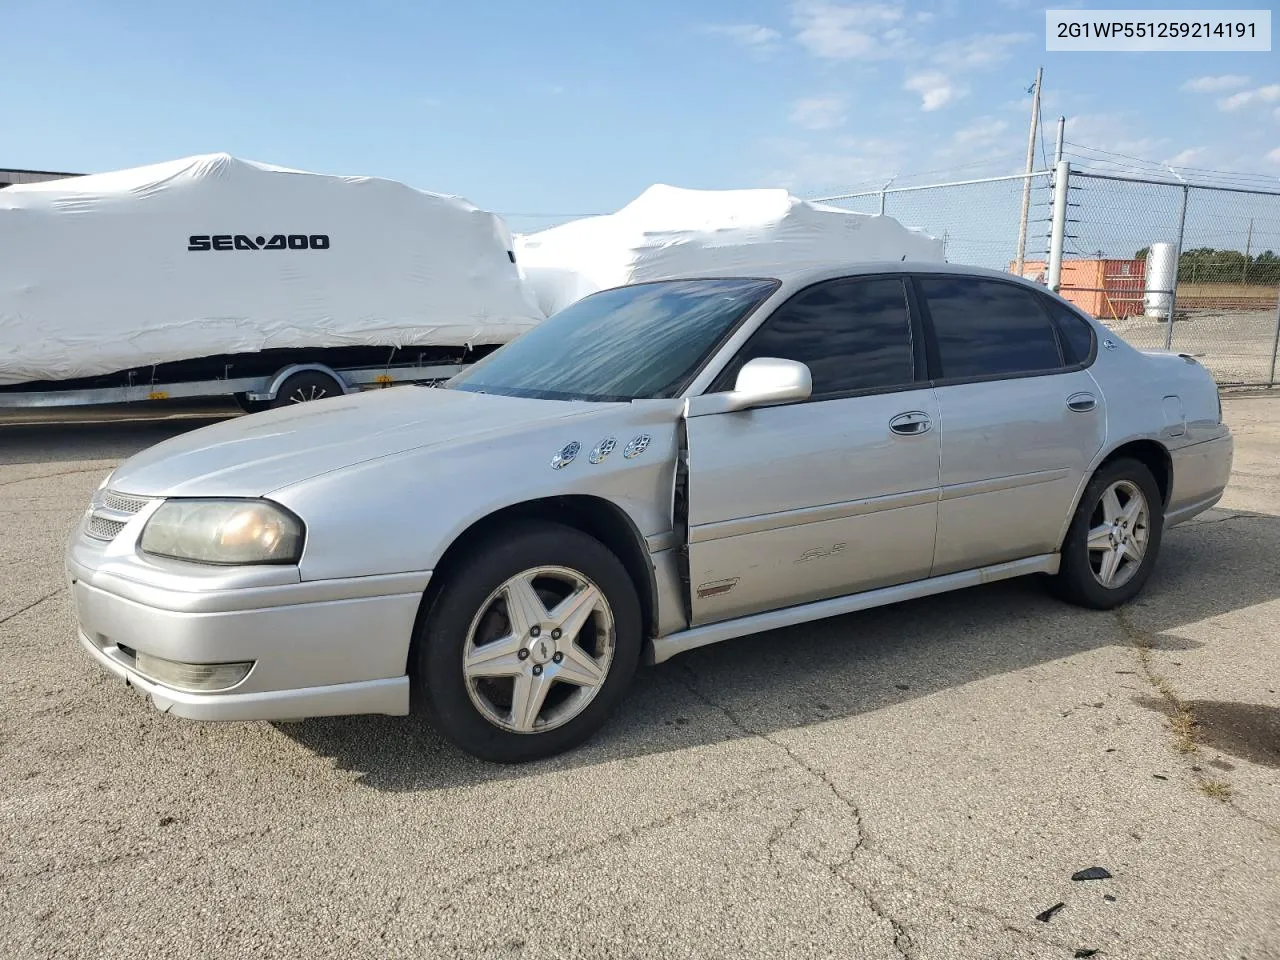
<point>1229,81</point>
<point>935,88</point>
<point>818,113</point>
<point>980,50</point>
<point>752,36</point>
<point>1258,95</point>
<point>833,166</point>
<point>845,31</point>
<point>1186,157</point>
<point>984,131</point>
<point>1113,132</point>
<point>1274,156</point>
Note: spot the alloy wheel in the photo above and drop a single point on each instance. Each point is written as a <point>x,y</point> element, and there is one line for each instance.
<point>1119,532</point>
<point>539,649</point>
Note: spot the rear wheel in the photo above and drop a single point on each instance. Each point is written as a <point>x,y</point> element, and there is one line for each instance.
<point>1114,537</point>
<point>529,644</point>
<point>306,386</point>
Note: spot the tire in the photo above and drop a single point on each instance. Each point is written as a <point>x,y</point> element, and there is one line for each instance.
<point>473,657</point>
<point>251,406</point>
<point>1083,570</point>
<point>304,387</point>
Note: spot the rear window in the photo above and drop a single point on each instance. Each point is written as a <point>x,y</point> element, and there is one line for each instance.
<point>987,328</point>
<point>1077,333</point>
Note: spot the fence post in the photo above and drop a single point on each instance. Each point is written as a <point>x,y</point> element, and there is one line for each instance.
<point>1177,266</point>
<point>1061,176</point>
<point>882,203</point>
<point>1275,344</point>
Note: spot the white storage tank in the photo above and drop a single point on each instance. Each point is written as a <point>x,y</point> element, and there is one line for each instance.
<point>1162,275</point>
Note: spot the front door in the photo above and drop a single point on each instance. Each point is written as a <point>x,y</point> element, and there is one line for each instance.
<point>831,496</point>
<point>1021,420</point>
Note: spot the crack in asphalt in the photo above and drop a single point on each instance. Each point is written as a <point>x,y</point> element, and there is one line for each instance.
<point>771,845</point>
<point>49,476</point>
<point>724,800</point>
<point>901,942</point>
<point>901,939</point>
<point>58,870</point>
<point>1142,641</point>
<point>34,603</point>
<point>815,772</point>
<point>1214,520</point>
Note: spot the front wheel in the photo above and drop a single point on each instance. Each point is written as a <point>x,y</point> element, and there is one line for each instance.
<point>529,644</point>
<point>1113,540</point>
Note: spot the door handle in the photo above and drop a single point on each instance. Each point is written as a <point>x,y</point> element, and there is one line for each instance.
<point>911,424</point>
<point>1082,402</point>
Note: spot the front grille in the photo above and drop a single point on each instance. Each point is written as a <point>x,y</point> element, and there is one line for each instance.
<point>122,502</point>
<point>103,528</point>
<point>110,511</point>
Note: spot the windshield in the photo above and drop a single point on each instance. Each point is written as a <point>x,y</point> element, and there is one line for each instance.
<point>639,342</point>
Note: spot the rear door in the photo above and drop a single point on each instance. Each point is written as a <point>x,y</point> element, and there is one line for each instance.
<point>1021,419</point>
<point>834,495</point>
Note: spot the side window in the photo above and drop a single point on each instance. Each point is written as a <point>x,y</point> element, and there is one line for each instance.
<point>852,334</point>
<point>986,328</point>
<point>1077,333</point>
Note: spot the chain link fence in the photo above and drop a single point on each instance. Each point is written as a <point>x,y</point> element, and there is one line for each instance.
<point>976,220</point>
<point>1165,264</point>
<point>1185,267</point>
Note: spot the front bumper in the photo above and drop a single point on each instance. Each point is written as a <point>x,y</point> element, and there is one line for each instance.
<point>319,648</point>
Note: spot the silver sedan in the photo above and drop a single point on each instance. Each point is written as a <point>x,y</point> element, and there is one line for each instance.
<point>657,467</point>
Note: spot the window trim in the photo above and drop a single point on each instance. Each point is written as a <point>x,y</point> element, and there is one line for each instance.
<point>1069,307</point>
<point>935,352</point>
<point>915,333</point>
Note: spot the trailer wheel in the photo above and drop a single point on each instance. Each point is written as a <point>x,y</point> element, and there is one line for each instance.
<point>306,386</point>
<point>251,406</point>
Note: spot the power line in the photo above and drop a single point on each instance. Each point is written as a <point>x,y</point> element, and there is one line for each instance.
<point>1233,174</point>
<point>898,178</point>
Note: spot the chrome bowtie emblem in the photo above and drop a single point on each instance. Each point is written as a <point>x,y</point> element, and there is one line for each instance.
<point>637,446</point>
<point>566,455</point>
<point>603,449</point>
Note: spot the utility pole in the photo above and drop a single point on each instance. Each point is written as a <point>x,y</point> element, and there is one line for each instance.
<point>1026,183</point>
<point>1057,146</point>
<point>1248,246</point>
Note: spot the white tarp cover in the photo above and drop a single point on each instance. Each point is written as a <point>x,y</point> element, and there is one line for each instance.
<point>668,231</point>
<point>99,274</point>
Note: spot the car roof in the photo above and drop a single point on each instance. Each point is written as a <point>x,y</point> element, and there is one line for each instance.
<point>794,275</point>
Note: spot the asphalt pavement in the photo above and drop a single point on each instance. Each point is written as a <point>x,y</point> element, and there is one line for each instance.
<point>916,781</point>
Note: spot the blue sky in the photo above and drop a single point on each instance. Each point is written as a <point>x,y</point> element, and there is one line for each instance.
<point>557,107</point>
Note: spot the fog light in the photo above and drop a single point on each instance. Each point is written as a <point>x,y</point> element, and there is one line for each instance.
<point>191,676</point>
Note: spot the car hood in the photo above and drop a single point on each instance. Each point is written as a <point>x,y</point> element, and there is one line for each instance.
<point>252,456</point>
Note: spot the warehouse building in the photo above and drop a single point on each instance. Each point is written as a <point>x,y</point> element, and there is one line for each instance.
<point>9,177</point>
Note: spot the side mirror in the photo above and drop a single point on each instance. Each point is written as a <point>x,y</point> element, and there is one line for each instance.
<point>762,382</point>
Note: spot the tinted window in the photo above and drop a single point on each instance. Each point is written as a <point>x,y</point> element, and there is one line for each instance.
<point>852,334</point>
<point>636,342</point>
<point>1077,334</point>
<point>987,328</point>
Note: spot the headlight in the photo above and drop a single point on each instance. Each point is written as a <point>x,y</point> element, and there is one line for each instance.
<point>223,531</point>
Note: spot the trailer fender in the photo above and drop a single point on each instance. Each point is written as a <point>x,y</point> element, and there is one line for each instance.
<point>284,373</point>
